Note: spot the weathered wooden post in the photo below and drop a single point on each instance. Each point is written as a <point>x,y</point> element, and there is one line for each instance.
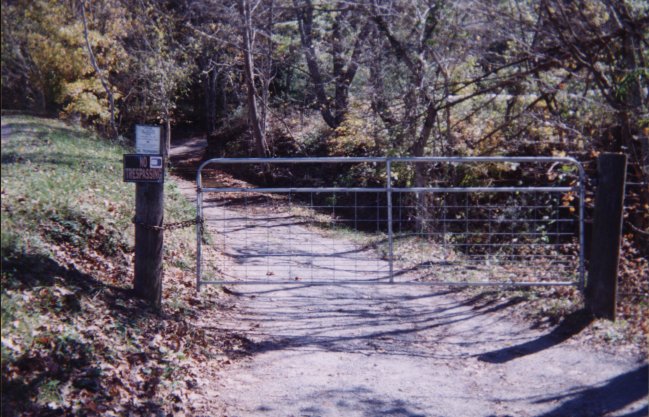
<point>601,288</point>
<point>149,201</point>
<point>146,169</point>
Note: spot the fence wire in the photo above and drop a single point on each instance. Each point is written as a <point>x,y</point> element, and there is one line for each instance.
<point>456,226</point>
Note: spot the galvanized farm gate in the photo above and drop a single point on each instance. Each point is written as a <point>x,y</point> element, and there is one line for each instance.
<point>515,221</point>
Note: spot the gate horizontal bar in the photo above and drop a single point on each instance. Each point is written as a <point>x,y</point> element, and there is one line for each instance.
<point>349,159</point>
<point>481,189</point>
<point>303,160</point>
<point>295,190</point>
<point>399,283</point>
<point>396,190</point>
<point>504,159</point>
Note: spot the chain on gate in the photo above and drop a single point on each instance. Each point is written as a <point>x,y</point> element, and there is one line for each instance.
<point>173,226</point>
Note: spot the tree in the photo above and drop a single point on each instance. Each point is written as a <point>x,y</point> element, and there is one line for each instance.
<point>160,61</point>
<point>349,30</point>
<point>608,41</point>
<point>100,75</point>
<point>256,117</point>
<point>49,47</point>
<point>19,71</point>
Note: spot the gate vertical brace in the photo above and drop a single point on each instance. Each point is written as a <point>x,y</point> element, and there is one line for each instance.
<point>199,229</point>
<point>582,255</point>
<point>390,240</point>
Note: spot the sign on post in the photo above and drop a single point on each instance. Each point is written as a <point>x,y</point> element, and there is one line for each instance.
<point>143,168</point>
<point>147,139</point>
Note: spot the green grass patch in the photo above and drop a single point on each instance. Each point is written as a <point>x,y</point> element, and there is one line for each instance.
<point>68,319</point>
<point>61,184</point>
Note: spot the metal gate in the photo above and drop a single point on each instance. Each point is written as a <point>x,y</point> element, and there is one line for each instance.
<point>515,221</point>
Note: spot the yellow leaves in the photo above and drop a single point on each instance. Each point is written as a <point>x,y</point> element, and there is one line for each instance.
<point>77,87</point>
<point>71,34</point>
<point>86,97</point>
<point>541,105</point>
<point>351,137</point>
<point>53,36</point>
<point>88,104</point>
<point>567,201</point>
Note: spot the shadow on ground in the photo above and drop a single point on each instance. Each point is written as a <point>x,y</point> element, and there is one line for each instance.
<point>55,357</point>
<point>385,326</point>
<point>357,401</point>
<point>612,396</point>
<point>570,326</point>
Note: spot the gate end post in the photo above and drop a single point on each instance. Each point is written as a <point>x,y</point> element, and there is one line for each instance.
<point>601,288</point>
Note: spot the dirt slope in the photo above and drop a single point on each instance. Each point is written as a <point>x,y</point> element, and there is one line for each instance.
<point>403,351</point>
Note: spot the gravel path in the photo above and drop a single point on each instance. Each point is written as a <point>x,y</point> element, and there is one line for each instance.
<point>349,351</point>
<point>403,351</point>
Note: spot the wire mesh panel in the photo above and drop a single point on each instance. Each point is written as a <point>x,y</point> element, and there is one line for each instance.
<point>485,237</point>
<point>397,220</point>
<point>295,237</point>
<point>488,220</point>
<point>298,232</point>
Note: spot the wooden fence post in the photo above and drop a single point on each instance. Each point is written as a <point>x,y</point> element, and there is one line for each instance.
<point>601,288</point>
<point>149,199</point>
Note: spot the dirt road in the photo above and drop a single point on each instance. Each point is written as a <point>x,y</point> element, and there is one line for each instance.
<point>404,351</point>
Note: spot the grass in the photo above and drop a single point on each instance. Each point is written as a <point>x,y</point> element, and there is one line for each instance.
<point>68,319</point>
<point>61,184</point>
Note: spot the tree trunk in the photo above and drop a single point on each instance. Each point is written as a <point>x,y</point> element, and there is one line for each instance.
<point>210,101</point>
<point>340,90</point>
<point>344,69</point>
<point>304,16</point>
<point>421,179</point>
<point>256,124</point>
<point>167,134</point>
<point>93,62</point>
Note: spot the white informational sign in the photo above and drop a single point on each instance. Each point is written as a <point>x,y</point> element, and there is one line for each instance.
<point>147,139</point>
